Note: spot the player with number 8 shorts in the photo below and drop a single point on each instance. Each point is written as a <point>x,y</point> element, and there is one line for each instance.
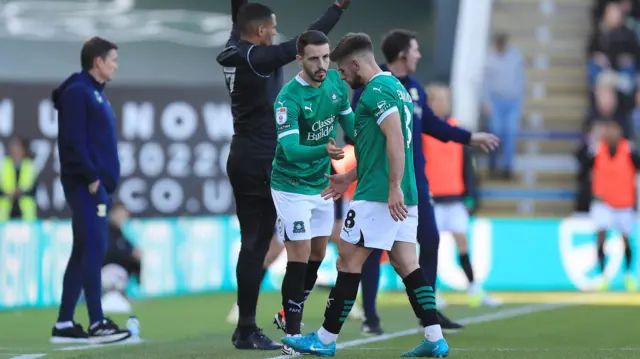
<point>384,211</point>
<point>307,112</point>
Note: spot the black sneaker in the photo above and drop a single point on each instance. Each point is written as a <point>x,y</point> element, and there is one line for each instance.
<point>371,328</point>
<point>257,340</point>
<point>107,332</point>
<point>70,335</point>
<point>448,326</point>
<point>235,336</point>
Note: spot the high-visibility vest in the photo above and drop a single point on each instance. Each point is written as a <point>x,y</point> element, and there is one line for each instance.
<point>345,165</point>
<point>614,178</point>
<point>444,165</point>
<point>8,185</point>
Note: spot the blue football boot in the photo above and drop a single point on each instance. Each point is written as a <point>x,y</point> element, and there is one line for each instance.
<point>427,349</point>
<point>310,344</point>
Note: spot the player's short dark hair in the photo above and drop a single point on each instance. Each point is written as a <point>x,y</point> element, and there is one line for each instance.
<point>350,44</point>
<point>93,48</point>
<point>310,37</point>
<point>395,42</point>
<point>251,15</point>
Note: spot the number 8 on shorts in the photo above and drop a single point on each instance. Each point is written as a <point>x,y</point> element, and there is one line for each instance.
<point>369,224</point>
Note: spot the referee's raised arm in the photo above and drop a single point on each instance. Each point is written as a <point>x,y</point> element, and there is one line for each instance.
<point>252,66</point>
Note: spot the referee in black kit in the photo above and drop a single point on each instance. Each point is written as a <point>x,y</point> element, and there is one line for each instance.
<point>252,66</point>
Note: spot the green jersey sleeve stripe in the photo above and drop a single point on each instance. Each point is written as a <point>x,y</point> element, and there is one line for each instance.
<point>386,114</point>
<point>287,133</point>
<point>346,112</point>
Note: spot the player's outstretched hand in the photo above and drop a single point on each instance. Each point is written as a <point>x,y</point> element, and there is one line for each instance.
<point>338,184</point>
<point>397,209</point>
<point>334,152</point>
<point>344,4</point>
<point>486,141</point>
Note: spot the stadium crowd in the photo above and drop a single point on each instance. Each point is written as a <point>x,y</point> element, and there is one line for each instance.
<point>613,59</point>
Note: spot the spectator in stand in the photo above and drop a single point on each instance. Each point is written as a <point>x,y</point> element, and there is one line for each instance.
<point>630,9</point>
<point>503,97</point>
<point>606,103</point>
<point>613,46</point>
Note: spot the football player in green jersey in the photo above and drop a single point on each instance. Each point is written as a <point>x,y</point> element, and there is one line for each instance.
<point>308,110</point>
<point>383,213</point>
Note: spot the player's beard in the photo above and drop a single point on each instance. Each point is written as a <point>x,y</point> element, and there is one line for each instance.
<point>356,82</point>
<point>317,76</point>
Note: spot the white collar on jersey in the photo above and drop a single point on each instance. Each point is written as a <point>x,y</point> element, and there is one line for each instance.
<point>385,73</point>
<point>301,80</point>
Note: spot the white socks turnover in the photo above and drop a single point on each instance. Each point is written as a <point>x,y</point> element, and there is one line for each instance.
<point>433,333</point>
<point>326,337</point>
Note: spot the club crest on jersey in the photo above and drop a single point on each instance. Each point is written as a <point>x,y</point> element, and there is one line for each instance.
<point>334,98</point>
<point>281,115</point>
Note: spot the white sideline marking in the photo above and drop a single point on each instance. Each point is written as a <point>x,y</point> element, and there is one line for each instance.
<point>499,315</point>
<point>130,341</point>
<point>509,349</point>
<point>82,347</point>
<point>542,349</point>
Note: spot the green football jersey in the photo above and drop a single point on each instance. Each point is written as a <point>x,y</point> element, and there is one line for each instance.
<point>382,96</point>
<point>312,113</point>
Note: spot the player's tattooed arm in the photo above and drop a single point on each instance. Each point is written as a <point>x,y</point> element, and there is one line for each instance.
<point>347,116</point>
<point>391,126</point>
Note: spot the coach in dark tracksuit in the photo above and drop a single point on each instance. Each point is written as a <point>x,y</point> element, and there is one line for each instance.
<point>90,171</point>
<point>252,66</point>
<point>401,52</point>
